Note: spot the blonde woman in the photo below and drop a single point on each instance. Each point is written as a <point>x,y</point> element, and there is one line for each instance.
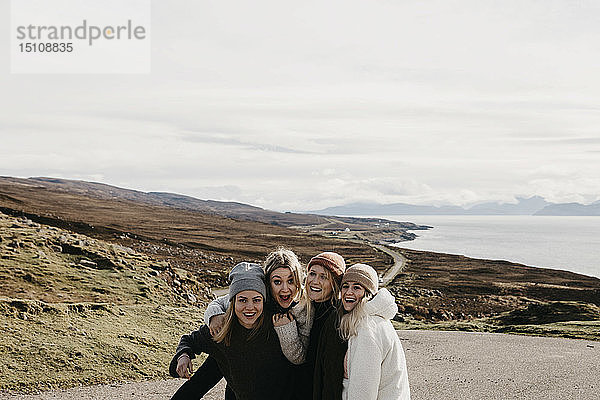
<point>246,349</point>
<point>360,355</point>
<point>299,331</point>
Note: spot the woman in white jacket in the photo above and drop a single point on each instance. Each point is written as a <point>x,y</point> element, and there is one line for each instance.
<point>374,365</point>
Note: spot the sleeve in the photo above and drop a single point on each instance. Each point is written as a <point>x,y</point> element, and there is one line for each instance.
<point>196,342</point>
<point>216,307</point>
<point>294,337</point>
<point>364,366</point>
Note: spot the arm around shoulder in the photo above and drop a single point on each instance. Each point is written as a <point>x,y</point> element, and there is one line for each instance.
<point>216,307</point>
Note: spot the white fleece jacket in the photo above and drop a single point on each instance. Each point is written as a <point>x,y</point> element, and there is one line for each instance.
<point>376,364</point>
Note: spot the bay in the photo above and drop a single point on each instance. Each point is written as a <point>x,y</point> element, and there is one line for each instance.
<point>557,242</point>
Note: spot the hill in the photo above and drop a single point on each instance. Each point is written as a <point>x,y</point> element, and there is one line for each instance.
<point>30,194</point>
<point>95,288</point>
<point>76,310</point>
<point>573,209</point>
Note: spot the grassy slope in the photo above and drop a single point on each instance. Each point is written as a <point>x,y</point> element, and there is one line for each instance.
<point>453,292</point>
<point>63,323</point>
<point>218,241</point>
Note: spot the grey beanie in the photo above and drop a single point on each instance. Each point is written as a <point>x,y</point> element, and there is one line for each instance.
<point>247,276</point>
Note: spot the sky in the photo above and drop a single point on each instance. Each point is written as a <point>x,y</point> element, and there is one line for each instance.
<point>296,106</point>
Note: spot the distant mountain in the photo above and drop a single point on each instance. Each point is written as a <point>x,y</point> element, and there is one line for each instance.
<point>534,205</point>
<point>388,209</point>
<point>523,207</point>
<point>571,209</point>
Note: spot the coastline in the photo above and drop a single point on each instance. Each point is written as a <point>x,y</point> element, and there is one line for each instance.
<point>555,242</point>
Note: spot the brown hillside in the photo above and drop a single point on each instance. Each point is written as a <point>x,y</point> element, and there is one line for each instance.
<point>189,239</point>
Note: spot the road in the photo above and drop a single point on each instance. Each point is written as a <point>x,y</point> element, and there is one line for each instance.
<point>441,365</point>
<point>399,262</point>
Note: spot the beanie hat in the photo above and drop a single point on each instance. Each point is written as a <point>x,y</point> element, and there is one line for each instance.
<point>363,274</point>
<point>330,260</point>
<point>247,276</point>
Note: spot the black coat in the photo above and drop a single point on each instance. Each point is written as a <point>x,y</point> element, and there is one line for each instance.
<point>329,366</point>
<point>255,368</point>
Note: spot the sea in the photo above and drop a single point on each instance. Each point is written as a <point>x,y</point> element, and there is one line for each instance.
<point>557,242</point>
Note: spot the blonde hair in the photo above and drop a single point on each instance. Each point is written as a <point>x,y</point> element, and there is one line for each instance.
<point>334,298</point>
<point>284,258</point>
<point>349,321</point>
<point>231,323</point>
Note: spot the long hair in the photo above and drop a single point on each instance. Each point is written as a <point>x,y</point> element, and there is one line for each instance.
<point>349,321</point>
<point>284,258</point>
<point>335,294</point>
<point>231,323</point>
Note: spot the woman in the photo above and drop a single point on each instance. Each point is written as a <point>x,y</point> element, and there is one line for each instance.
<point>373,366</point>
<point>246,349</point>
<point>284,276</point>
<point>299,332</point>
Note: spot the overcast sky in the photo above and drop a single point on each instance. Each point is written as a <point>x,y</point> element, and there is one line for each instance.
<point>299,105</point>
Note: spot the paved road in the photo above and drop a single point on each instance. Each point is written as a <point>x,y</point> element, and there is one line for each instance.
<point>399,262</point>
<point>442,365</point>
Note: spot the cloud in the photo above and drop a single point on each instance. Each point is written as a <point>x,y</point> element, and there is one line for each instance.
<point>561,141</point>
<point>295,108</point>
<point>224,139</point>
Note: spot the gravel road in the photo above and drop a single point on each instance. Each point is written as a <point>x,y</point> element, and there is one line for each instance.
<point>441,365</point>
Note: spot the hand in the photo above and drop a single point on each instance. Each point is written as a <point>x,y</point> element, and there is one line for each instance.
<point>184,366</point>
<point>215,324</point>
<point>282,319</point>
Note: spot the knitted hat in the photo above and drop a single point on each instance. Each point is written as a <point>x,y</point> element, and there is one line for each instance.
<point>363,274</point>
<point>247,276</point>
<point>332,261</point>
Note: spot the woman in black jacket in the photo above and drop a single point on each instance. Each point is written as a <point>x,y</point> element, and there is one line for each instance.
<point>246,349</point>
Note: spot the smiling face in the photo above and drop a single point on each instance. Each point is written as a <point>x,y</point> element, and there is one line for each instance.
<point>352,293</point>
<point>283,286</point>
<point>248,307</point>
<point>319,284</point>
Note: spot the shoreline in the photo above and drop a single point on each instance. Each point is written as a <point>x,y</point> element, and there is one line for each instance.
<point>558,243</point>
<point>398,245</point>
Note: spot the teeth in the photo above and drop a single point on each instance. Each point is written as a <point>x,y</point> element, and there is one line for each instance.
<point>315,289</point>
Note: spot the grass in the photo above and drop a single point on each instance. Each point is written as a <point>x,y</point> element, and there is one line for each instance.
<point>80,311</point>
<point>49,346</point>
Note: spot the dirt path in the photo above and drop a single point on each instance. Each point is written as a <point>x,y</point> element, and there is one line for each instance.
<point>441,365</point>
